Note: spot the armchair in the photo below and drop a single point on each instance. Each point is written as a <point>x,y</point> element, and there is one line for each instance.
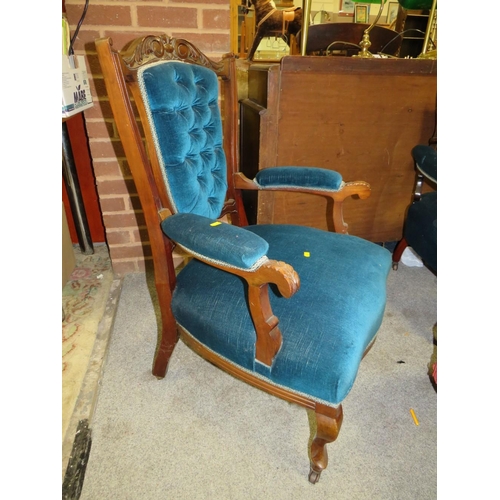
<point>290,310</point>
<point>420,228</point>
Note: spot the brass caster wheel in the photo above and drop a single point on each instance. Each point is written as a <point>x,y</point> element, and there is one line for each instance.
<point>395,266</point>
<point>314,476</point>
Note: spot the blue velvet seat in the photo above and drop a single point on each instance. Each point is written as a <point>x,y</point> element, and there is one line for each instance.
<point>325,331</point>
<point>289,309</point>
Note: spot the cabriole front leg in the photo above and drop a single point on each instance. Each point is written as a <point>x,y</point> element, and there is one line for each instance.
<point>328,421</point>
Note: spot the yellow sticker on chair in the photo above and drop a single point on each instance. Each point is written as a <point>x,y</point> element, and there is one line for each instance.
<point>307,254</point>
<point>216,223</point>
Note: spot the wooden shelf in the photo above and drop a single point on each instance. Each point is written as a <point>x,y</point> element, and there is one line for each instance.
<point>412,24</point>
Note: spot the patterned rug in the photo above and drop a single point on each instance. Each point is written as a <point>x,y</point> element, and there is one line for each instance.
<point>84,299</point>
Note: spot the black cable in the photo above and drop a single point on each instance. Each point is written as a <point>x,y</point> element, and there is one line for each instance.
<point>384,47</point>
<point>400,35</point>
<point>342,43</point>
<point>80,22</point>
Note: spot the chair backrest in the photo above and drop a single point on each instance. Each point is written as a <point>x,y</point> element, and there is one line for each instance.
<point>181,102</point>
<point>190,151</point>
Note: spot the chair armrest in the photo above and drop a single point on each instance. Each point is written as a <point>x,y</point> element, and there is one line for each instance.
<point>311,180</point>
<point>425,158</point>
<point>243,253</point>
<point>230,248</point>
<point>301,178</point>
<point>217,242</point>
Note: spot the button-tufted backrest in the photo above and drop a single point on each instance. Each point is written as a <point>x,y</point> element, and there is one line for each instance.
<point>181,102</point>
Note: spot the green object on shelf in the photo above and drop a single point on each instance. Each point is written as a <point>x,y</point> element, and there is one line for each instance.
<point>415,4</point>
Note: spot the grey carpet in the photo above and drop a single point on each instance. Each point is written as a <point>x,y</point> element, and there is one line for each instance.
<point>201,434</point>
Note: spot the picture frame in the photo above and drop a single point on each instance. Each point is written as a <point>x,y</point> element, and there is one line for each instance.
<point>346,8</point>
<point>392,12</point>
<point>362,13</point>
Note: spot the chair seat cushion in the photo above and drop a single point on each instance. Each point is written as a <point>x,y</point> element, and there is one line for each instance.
<point>421,228</point>
<point>326,326</point>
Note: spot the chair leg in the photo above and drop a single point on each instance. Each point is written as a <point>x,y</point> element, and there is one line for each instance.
<point>168,336</point>
<point>328,421</point>
<point>398,252</point>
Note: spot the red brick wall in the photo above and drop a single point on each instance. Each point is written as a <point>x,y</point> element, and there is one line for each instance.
<point>205,23</point>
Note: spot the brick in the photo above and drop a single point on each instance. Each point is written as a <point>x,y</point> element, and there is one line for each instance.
<point>125,168</point>
<point>123,21</point>
<point>122,38</point>
<point>103,168</point>
<point>218,43</point>
<point>93,65</point>
<point>85,41</point>
<point>100,129</point>
<point>216,19</point>
<point>119,237</point>
<point>128,266</point>
<point>115,187</point>
<point>106,149</point>
<point>122,220</point>
<point>100,109</point>
<point>124,267</point>
<point>145,265</point>
<point>134,202</point>
<point>221,2</point>
<point>112,205</point>
<point>97,87</point>
<point>178,17</point>
<point>130,251</point>
<point>140,234</point>
<point>99,15</point>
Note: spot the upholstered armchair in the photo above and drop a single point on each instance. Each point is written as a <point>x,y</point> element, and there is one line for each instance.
<point>288,309</point>
<point>420,228</point>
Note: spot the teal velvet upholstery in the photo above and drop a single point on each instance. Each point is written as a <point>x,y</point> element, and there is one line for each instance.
<point>326,325</point>
<point>216,241</point>
<point>182,105</point>
<point>301,177</point>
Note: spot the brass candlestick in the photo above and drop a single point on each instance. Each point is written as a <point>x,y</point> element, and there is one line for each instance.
<point>365,41</point>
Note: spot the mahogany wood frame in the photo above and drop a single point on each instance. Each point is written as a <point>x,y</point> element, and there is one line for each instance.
<point>119,70</point>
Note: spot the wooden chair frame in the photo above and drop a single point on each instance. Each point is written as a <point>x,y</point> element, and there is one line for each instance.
<point>119,70</point>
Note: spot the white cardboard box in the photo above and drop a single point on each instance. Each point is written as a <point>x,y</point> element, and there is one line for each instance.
<point>76,96</point>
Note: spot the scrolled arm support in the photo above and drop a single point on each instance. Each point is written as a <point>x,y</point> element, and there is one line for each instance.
<point>269,338</point>
<point>360,189</point>
<point>336,189</point>
<point>252,265</point>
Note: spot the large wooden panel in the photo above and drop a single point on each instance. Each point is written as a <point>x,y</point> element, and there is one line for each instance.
<point>359,117</point>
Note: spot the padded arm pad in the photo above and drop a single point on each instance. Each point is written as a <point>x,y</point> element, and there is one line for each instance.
<point>426,161</point>
<point>215,241</point>
<point>319,179</point>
